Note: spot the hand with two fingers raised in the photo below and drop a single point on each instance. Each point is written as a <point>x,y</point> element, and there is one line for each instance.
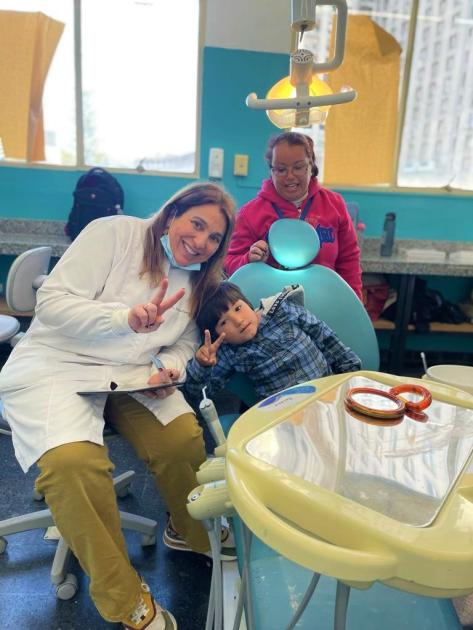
<point>206,355</point>
<point>146,318</point>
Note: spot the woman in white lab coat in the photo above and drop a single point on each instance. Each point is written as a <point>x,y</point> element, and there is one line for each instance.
<point>127,288</point>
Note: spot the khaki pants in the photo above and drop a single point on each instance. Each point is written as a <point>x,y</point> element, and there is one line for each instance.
<point>76,480</point>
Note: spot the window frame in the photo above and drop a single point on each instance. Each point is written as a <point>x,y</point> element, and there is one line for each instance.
<point>395,187</point>
<point>80,163</point>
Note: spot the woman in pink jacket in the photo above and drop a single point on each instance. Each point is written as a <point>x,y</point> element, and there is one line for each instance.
<point>293,192</point>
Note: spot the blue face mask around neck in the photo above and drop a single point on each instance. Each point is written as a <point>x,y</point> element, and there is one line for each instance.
<point>170,256</point>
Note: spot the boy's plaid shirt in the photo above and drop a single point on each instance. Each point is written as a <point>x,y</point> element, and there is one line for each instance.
<point>290,347</point>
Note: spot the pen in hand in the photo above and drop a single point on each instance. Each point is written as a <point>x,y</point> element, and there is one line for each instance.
<point>158,364</point>
<point>171,373</point>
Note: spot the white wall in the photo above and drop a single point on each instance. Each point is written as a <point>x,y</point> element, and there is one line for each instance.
<point>262,25</point>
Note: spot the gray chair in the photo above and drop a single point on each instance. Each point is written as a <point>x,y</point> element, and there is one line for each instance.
<point>26,274</point>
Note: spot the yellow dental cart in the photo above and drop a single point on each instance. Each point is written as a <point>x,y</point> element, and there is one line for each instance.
<point>359,499</point>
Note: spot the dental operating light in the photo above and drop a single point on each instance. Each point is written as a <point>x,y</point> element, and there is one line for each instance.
<point>302,99</point>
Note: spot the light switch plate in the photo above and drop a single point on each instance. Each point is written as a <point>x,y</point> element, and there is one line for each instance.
<point>240,165</point>
<point>216,163</point>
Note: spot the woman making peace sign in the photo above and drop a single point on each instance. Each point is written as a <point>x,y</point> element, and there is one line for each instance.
<point>126,288</point>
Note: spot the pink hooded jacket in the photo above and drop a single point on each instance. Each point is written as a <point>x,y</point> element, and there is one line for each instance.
<point>327,213</point>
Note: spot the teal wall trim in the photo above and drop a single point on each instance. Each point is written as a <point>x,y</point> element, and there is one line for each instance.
<point>37,193</point>
<point>228,77</point>
<point>444,217</point>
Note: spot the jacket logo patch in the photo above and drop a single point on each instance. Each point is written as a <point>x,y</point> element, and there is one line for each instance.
<point>325,234</point>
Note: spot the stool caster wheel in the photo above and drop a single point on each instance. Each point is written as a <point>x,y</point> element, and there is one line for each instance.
<point>148,541</point>
<point>123,492</point>
<point>37,496</point>
<point>68,588</point>
<point>3,544</point>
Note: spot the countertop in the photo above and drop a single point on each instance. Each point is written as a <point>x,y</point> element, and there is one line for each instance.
<point>372,262</point>
<point>18,235</point>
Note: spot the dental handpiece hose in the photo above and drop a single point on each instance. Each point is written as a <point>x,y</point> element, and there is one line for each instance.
<point>210,415</point>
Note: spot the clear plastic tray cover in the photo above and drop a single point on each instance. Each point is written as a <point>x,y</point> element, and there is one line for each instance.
<point>404,470</point>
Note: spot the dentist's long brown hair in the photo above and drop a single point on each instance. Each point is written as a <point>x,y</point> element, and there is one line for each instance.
<point>210,275</point>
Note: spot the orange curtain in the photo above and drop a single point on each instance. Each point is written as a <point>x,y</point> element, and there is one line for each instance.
<point>27,45</point>
<point>360,136</point>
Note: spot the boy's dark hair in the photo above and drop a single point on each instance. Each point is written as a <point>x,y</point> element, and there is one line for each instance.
<point>218,303</point>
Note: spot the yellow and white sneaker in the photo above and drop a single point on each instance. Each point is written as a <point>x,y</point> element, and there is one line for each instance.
<point>149,615</point>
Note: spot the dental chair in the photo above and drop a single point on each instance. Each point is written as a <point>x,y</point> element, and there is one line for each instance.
<point>25,276</point>
<point>271,581</point>
<point>293,245</point>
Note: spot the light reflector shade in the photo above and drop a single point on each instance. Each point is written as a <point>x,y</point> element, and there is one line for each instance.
<point>285,118</point>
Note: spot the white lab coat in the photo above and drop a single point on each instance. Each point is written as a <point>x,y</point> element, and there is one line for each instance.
<point>80,339</point>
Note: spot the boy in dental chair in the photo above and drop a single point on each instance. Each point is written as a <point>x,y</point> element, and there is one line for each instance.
<point>277,345</point>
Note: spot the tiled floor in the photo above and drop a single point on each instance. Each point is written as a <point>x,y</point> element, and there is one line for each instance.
<point>179,581</point>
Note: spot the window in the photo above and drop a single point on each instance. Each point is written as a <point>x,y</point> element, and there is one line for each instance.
<point>450,105</point>
<point>442,59</point>
<point>138,107</point>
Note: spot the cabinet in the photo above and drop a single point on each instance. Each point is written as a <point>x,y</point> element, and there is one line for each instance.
<point>398,264</point>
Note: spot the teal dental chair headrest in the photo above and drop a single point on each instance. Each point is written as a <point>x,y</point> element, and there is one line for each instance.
<point>293,243</point>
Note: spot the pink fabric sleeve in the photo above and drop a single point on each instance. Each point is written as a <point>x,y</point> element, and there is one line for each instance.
<point>241,241</point>
<point>348,259</point>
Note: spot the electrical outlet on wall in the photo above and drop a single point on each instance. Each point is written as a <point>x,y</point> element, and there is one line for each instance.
<point>216,163</point>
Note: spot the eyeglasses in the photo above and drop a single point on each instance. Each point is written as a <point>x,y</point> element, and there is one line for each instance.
<point>296,169</point>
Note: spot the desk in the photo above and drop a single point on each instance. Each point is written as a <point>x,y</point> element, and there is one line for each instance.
<point>358,501</point>
<point>398,264</point>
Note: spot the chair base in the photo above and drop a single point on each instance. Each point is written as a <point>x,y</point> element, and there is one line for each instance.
<point>66,583</point>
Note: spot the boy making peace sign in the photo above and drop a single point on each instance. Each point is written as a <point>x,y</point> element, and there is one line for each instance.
<point>279,345</point>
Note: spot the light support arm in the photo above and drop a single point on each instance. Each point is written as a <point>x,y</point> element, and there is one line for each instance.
<point>303,68</point>
<point>340,35</point>
<point>253,102</point>
<point>303,19</point>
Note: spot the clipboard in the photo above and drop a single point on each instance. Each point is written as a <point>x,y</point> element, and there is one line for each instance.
<point>128,389</point>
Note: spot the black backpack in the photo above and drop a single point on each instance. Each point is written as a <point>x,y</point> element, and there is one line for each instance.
<point>97,194</point>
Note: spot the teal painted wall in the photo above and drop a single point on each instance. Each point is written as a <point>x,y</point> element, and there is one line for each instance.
<point>228,77</point>
<point>424,216</point>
